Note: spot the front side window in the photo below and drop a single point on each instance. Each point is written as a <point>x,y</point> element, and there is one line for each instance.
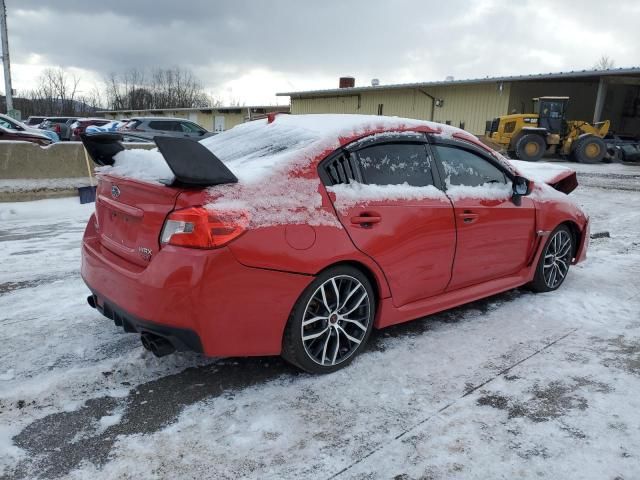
<point>465,168</point>
<point>396,164</point>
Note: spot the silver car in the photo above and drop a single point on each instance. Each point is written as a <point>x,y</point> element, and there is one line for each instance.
<point>165,126</point>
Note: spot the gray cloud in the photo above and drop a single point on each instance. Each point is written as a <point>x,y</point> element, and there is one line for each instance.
<point>400,40</point>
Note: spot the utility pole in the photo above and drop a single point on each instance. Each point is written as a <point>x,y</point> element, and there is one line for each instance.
<point>5,56</point>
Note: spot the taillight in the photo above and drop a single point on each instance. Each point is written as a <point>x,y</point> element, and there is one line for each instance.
<point>76,131</point>
<point>198,227</point>
<point>56,128</point>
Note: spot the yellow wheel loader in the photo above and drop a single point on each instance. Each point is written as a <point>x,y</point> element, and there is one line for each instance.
<point>529,136</point>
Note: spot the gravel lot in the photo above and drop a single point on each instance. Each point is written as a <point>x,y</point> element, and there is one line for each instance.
<point>515,386</point>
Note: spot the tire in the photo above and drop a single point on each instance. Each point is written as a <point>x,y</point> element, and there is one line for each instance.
<point>331,321</point>
<point>589,149</point>
<point>556,257</point>
<point>530,147</point>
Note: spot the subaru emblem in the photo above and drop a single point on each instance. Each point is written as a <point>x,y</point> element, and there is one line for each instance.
<point>115,191</point>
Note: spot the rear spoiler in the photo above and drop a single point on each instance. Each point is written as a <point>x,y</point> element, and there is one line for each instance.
<point>192,164</point>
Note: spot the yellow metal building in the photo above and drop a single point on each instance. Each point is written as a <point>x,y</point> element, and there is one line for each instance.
<point>216,119</point>
<point>613,94</point>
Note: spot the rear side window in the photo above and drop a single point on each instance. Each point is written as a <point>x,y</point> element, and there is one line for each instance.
<point>396,164</point>
<point>164,125</point>
<point>190,127</point>
<point>462,167</point>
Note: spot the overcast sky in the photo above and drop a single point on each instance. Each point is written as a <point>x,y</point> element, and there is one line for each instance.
<point>249,50</point>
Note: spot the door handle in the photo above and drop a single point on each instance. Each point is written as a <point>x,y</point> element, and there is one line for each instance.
<point>469,217</point>
<point>366,219</point>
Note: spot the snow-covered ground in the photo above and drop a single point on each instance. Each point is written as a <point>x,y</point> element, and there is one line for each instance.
<point>515,386</point>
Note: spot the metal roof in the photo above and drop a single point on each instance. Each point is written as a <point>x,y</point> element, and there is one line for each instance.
<point>577,74</point>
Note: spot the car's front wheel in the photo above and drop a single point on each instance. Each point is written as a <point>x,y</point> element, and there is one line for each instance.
<point>331,321</point>
<point>555,260</point>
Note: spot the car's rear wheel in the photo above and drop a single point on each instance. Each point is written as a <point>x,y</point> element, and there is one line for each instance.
<point>555,260</point>
<point>331,321</point>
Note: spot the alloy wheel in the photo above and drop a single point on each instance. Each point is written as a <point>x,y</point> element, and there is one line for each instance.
<point>557,259</point>
<point>336,320</point>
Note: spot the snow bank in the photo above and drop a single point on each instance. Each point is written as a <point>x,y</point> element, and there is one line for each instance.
<point>353,194</point>
<point>42,209</point>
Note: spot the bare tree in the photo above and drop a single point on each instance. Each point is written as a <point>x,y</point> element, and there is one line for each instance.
<point>56,93</point>
<point>161,88</point>
<point>604,63</point>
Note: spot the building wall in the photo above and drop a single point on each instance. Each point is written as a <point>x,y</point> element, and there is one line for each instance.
<point>472,105</point>
<point>581,105</point>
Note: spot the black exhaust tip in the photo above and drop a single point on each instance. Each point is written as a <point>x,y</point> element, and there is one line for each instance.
<point>91,300</point>
<point>157,345</point>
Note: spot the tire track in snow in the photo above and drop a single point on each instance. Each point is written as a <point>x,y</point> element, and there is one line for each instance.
<point>452,403</point>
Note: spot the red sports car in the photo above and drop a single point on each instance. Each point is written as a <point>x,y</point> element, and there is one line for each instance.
<point>298,234</point>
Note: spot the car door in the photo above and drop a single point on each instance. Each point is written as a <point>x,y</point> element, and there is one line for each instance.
<point>388,200</point>
<point>495,236</point>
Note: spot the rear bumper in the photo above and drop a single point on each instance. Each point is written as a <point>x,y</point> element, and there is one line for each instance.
<point>182,339</point>
<point>204,300</point>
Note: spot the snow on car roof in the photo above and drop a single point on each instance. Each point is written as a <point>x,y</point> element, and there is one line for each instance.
<point>256,150</point>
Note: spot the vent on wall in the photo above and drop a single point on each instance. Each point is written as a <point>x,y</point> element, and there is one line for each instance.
<point>341,170</point>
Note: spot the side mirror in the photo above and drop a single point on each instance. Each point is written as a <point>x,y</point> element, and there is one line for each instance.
<point>521,186</point>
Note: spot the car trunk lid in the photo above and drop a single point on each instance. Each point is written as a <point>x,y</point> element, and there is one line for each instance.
<point>131,215</point>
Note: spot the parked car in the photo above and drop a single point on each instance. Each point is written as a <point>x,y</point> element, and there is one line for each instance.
<point>13,124</point>
<point>23,136</point>
<point>60,125</point>
<point>166,126</point>
<point>81,124</point>
<point>34,121</point>
<point>299,234</point>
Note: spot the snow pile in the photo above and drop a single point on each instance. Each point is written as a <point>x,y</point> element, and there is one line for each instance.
<point>353,194</point>
<point>146,165</point>
<point>486,191</point>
